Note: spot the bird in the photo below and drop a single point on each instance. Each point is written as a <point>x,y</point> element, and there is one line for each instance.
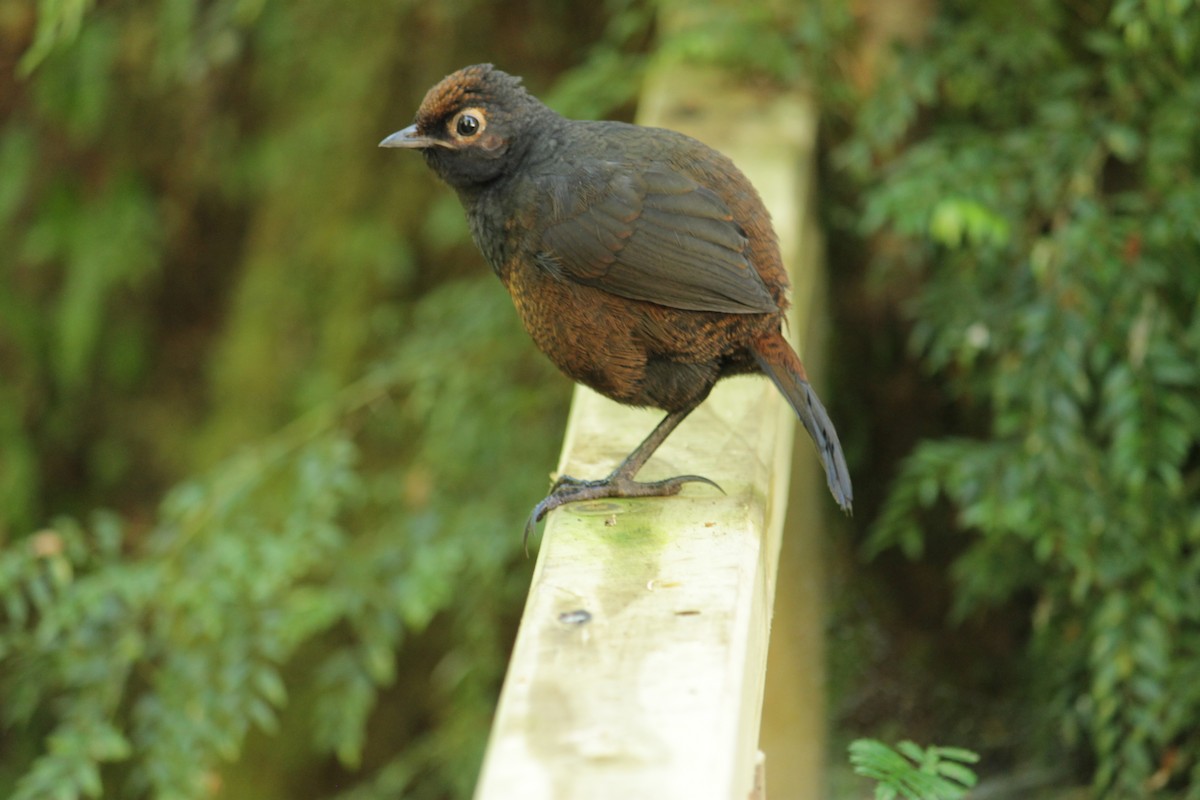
<point>641,261</point>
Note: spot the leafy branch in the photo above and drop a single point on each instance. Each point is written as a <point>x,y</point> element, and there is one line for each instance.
<point>914,772</point>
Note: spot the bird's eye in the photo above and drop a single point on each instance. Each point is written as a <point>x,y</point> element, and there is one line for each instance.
<point>468,123</point>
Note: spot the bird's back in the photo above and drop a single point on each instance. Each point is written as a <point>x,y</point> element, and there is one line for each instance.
<point>631,338</point>
<point>644,148</point>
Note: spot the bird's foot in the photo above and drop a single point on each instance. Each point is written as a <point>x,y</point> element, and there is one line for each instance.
<point>570,490</point>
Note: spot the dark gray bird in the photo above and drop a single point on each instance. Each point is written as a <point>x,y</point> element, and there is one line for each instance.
<point>641,261</point>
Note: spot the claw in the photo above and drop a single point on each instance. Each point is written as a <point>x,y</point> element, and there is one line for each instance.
<point>570,490</point>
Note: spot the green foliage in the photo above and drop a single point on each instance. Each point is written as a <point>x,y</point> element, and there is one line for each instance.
<point>1038,167</point>
<point>268,349</point>
<point>59,21</point>
<point>914,772</point>
<point>157,652</point>
<point>787,44</point>
<point>611,74</point>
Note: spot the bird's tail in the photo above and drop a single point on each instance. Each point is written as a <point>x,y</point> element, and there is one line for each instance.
<point>781,364</point>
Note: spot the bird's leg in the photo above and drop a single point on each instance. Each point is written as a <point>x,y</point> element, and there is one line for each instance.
<point>620,482</point>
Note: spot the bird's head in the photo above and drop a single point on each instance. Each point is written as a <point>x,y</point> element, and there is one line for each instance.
<point>471,125</point>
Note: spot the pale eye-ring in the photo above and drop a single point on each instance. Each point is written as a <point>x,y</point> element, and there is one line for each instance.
<point>468,123</point>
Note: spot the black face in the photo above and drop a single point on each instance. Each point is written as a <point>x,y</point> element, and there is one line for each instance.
<point>473,126</point>
<point>471,149</point>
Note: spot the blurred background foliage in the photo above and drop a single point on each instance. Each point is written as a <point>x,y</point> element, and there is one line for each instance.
<point>269,428</point>
<point>1029,177</point>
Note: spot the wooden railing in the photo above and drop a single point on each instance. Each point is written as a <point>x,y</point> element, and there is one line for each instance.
<point>640,665</point>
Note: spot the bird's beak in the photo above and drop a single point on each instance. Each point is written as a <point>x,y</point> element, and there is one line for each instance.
<point>409,138</point>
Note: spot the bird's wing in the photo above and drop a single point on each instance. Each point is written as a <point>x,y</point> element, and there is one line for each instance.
<point>655,235</point>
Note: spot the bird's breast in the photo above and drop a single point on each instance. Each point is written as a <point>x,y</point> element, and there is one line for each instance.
<point>493,233</point>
